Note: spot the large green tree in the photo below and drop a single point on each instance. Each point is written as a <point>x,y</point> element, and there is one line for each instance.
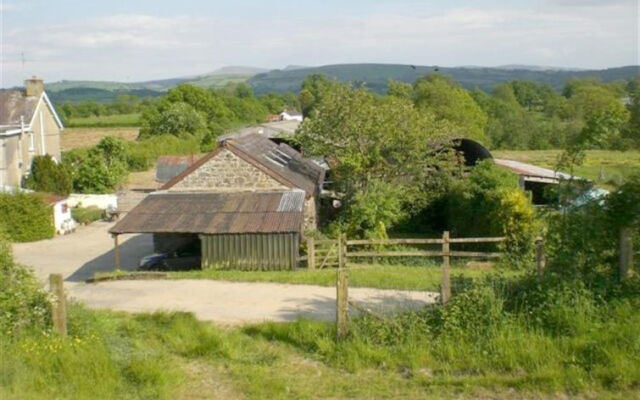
<point>48,176</point>
<point>312,91</point>
<point>383,152</point>
<point>449,101</point>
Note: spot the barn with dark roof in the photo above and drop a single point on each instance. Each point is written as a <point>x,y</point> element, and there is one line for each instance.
<point>246,204</point>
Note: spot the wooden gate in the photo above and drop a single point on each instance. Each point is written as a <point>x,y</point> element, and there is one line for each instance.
<point>322,253</point>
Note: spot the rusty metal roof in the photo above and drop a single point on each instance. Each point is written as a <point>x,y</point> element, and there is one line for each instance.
<point>282,160</point>
<point>211,213</point>
<point>168,167</point>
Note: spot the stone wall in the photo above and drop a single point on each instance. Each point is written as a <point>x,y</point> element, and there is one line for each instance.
<point>227,172</point>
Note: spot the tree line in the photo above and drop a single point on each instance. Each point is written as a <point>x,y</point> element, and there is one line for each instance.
<point>520,114</point>
<point>232,105</point>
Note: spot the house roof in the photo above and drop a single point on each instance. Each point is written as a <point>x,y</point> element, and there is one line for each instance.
<point>168,167</point>
<point>280,161</point>
<point>15,104</point>
<point>276,129</point>
<point>293,113</point>
<point>215,213</point>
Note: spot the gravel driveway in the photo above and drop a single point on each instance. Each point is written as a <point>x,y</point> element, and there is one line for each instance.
<point>90,249</point>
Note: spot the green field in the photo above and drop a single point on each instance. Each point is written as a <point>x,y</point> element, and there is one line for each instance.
<point>605,167</point>
<point>105,121</point>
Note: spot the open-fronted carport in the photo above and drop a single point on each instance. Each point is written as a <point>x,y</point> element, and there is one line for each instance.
<point>244,230</point>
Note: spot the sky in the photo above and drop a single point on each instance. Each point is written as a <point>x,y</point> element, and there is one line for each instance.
<point>138,40</point>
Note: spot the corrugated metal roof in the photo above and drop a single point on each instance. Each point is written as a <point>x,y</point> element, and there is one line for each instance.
<point>211,213</point>
<point>168,167</point>
<point>281,159</point>
<point>529,170</point>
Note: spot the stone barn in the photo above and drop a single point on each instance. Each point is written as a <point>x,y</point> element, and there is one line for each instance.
<point>251,173</point>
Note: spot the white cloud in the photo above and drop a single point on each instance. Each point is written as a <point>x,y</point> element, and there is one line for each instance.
<point>4,6</point>
<point>140,47</point>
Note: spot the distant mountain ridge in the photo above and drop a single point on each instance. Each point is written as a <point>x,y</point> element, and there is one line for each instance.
<point>374,76</point>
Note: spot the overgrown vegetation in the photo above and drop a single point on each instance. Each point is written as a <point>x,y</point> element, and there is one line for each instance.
<point>26,217</point>
<point>104,167</point>
<point>205,114</point>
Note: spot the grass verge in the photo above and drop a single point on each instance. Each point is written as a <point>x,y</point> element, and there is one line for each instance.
<point>379,276</point>
<point>172,356</point>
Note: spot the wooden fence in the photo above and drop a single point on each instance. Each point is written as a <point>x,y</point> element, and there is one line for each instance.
<point>625,252</point>
<point>338,252</point>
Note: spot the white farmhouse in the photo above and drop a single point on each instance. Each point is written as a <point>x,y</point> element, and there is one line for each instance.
<point>291,115</point>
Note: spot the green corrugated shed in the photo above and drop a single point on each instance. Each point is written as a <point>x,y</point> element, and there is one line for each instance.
<point>250,251</point>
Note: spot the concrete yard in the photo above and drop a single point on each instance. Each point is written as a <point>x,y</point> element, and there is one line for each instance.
<point>90,249</point>
<point>239,302</point>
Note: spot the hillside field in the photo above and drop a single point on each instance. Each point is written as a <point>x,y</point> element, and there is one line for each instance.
<point>106,121</point>
<point>604,167</point>
<point>72,138</point>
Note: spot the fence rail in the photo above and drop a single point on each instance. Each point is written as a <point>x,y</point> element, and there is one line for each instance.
<point>328,253</point>
<point>324,253</point>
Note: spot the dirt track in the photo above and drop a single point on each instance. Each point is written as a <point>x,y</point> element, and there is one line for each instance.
<point>90,249</point>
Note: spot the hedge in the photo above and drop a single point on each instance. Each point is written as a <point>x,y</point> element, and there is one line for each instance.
<point>26,217</point>
<point>87,215</point>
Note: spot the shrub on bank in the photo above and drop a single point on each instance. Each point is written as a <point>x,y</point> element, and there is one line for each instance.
<point>24,304</point>
<point>26,217</point>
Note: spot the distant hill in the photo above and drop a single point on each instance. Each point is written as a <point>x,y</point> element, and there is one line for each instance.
<point>102,91</point>
<point>239,70</point>
<point>75,95</point>
<point>375,76</point>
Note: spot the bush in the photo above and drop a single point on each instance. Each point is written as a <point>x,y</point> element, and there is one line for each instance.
<point>490,203</point>
<point>23,303</point>
<point>26,217</point>
<point>87,215</point>
<point>48,176</point>
<point>583,240</point>
<point>99,169</point>
<point>142,154</point>
<point>476,312</point>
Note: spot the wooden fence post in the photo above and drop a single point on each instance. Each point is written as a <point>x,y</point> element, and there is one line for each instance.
<point>311,253</point>
<point>445,293</point>
<point>540,258</point>
<point>116,252</point>
<point>58,307</point>
<point>626,252</point>
<point>342,288</point>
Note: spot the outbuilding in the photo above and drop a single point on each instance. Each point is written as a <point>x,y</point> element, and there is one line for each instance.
<point>242,230</point>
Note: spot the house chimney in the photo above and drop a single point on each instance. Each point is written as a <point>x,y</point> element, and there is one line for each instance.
<point>34,86</point>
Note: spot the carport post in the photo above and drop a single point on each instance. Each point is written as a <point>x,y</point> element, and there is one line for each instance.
<point>116,251</point>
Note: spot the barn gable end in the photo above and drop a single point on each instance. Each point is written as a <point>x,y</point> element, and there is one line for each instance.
<point>226,172</point>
